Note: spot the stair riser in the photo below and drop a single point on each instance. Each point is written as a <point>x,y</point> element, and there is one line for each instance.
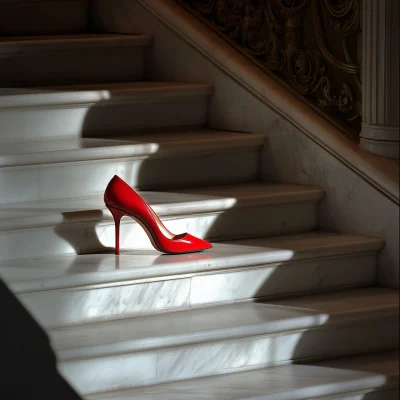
<point>99,119</point>
<point>96,65</point>
<point>99,237</point>
<point>43,17</point>
<point>204,359</point>
<point>378,394</point>
<point>84,304</point>
<point>76,179</point>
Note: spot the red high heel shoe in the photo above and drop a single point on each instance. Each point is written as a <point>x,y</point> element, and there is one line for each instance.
<point>122,200</point>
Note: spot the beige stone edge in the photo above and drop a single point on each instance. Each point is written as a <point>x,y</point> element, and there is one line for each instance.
<point>379,172</point>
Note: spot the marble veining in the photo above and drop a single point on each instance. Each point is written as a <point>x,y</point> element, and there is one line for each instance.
<point>95,375</point>
<point>291,382</point>
<point>296,263</point>
<point>86,303</point>
<point>228,355</point>
<point>185,362</point>
<point>229,320</point>
<point>74,270</point>
<point>281,279</point>
<point>69,306</point>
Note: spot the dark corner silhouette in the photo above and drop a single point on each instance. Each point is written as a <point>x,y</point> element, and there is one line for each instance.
<point>27,362</point>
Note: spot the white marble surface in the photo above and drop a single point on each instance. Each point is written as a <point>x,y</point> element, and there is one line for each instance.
<point>74,167</point>
<point>284,278</point>
<point>86,178</point>
<point>62,290</point>
<point>64,149</point>
<point>97,236</point>
<point>222,322</point>
<point>76,304</point>
<point>293,382</point>
<point>314,254</point>
<point>389,394</point>
<point>350,205</point>
<point>190,345</point>
<point>79,305</point>
<point>98,374</point>
<point>101,109</point>
<point>216,392</point>
<point>70,289</point>
<point>97,58</point>
<point>89,93</point>
<point>85,226</point>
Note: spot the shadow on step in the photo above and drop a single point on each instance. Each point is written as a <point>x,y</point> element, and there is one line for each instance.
<point>27,363</point>
<point>83,236</point>
<point>355,345</point>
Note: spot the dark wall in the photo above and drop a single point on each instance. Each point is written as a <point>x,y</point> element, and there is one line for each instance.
<point>27,361</point>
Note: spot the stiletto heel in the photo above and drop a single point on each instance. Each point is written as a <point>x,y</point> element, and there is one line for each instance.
<point>117,214</point>
<point>122,200</point>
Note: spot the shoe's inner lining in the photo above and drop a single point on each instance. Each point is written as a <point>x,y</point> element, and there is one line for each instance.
<point>163,229</point>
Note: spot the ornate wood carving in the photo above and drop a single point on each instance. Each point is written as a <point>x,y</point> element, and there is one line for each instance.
<point>309,45</point>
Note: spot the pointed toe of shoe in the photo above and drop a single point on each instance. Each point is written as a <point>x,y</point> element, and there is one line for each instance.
<point>193,243</point>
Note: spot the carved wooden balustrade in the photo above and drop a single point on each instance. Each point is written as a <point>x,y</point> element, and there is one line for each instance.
<point>311,46</point>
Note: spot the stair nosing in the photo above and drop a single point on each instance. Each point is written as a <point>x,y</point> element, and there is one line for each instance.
<point>199,206</point>
<point>126,151</point>
<point>234,333</point>
<point>10,100</point>
<point>71,42</point>
<point>178,270</point>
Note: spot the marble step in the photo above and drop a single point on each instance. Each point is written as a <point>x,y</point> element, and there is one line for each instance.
<point>74,167</point>
<point>40,17</point>
<point>85,225</point>
<point>131,352</point>
<point>77,58</point>
<point>100,109</point>
<point>367,377</point>
<point>102,286</point>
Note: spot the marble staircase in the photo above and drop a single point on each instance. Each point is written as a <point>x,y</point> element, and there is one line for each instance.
<point>278,309</point>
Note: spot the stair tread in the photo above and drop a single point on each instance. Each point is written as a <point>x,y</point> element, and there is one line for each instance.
<point>68,149</point>
<point>54,272</point>
<point>99,92</point>
<point>221,322</point>
<point>61,42</point>
<point>130,86</point>
<point>289,382</point>
<point>178,202</point>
